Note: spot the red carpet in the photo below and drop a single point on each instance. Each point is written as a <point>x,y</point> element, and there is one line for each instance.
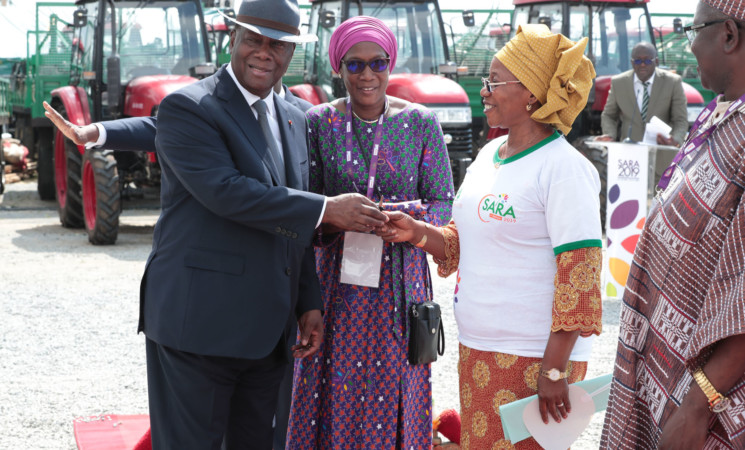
<point>112,432</point>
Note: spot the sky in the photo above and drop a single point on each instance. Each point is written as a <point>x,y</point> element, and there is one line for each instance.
<point>18,17</point>
<point>656,6</point>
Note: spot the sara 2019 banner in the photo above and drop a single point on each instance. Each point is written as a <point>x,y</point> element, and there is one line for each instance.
<point>628,177</point>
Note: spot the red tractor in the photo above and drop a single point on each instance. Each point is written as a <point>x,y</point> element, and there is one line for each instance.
<point>613,28</point>
<point>126,57</point>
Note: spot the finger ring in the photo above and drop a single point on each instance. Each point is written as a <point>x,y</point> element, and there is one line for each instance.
<point>560,405</point>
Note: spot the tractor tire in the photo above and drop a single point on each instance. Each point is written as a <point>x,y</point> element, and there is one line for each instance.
<point>599,159</point>
<point>45,164</point>
<point>68,164</point>
<point>101,197</point>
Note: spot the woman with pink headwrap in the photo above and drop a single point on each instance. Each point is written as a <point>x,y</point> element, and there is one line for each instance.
<point>360,391</point>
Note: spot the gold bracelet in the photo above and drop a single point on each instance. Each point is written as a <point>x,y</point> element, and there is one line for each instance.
<point>423,241</point>
<point>717,402</point>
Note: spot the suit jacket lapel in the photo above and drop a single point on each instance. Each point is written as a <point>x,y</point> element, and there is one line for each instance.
<point>245,120</point>
<point>289,145</point>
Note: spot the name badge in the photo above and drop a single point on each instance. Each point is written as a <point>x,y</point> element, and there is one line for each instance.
<point>360,263</point>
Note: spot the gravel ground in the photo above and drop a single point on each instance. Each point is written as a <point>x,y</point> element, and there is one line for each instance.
<point>68,317</point>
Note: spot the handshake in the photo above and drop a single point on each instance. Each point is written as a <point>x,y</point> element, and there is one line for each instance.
<point>355,212</point>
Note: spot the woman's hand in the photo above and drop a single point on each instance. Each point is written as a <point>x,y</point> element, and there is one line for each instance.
<point>553,396</point>
<point>400,227</point>
<point>80,135</point>
<point>553,399</point>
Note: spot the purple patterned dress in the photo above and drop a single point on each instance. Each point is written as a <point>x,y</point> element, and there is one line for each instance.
<point>358,391</point>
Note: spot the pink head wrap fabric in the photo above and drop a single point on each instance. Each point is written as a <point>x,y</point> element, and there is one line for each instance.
<point>361,29</point>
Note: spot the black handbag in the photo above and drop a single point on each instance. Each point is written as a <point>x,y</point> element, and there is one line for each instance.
<point>426,335</point>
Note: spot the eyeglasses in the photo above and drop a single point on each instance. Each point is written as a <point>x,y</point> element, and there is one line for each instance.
<point>489,86</point>
<point>639,62</point>
<point>356,66</point>
<point>692,30</point>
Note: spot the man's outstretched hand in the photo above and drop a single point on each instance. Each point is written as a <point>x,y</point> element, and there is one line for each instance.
<point>353,212</point>
<point>80,135</point>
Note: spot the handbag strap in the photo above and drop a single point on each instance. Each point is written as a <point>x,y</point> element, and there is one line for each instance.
<point>441,339</point>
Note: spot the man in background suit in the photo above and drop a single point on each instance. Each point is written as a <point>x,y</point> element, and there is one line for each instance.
<point>622,114</point>
<point>232,266</point>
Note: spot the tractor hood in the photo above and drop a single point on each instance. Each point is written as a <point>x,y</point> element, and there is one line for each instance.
<point>426,89</point>
<point>145,93</point>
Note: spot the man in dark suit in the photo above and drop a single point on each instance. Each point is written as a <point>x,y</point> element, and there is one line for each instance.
<point>625,114</point>
<point>232,268</point>
<point>232,263</point>
<point>138,134</point>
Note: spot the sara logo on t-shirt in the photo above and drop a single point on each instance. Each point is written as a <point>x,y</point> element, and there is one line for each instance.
<point>496,207</point>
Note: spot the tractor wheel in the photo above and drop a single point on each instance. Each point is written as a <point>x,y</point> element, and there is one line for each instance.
<point>67,169</point>
<point>101,197</point>
<point>45,164</point>
<point>599,158</point>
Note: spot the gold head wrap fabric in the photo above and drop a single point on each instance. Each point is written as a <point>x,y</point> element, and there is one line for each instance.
<point>554,69</point>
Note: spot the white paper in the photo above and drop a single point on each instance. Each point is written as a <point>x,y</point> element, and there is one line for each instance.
<point>654,127</point>
<point>560,436</point>
<point>360,263</point>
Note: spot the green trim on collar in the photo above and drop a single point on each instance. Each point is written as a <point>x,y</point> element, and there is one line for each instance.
<point>578,244</point>
<point>497,160</point>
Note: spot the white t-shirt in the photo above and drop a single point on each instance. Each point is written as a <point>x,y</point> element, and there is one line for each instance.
<point>512,221</point>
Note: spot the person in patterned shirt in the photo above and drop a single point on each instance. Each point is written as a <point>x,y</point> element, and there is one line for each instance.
<point>679,379</point>
<point>526,241</point>
<point>359,391</point>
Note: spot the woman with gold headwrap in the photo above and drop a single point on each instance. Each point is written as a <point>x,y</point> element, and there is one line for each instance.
<point>525,238</point>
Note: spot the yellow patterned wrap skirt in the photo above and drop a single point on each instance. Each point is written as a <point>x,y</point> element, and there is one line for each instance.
<point>490,379</point>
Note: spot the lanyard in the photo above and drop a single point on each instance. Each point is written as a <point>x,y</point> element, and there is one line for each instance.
<point>349,166</point>
<point>699,139</point>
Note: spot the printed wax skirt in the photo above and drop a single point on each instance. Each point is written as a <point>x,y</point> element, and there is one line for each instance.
<point>490,379</point>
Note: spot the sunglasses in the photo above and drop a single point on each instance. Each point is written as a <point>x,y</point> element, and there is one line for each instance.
<point>356,66</point>
<point>488,85</point>
<point>639,62</point>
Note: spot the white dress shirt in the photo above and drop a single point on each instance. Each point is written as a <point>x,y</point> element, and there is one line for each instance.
<point>639,89</point>
<point>271,112</point>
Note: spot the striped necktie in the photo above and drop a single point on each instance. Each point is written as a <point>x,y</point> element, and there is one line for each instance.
<point>645,101</point>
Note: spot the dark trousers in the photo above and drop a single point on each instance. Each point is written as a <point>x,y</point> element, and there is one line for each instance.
<point>196,401</point>
<point>282,416</point>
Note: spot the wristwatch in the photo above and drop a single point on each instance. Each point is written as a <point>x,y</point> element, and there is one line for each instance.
<point>717,402</point>
<point>554,374</point>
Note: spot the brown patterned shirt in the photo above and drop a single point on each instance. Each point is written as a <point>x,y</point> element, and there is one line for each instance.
<point>685,292</point>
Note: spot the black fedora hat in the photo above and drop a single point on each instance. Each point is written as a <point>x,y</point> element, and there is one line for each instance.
<point>275,19</point>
